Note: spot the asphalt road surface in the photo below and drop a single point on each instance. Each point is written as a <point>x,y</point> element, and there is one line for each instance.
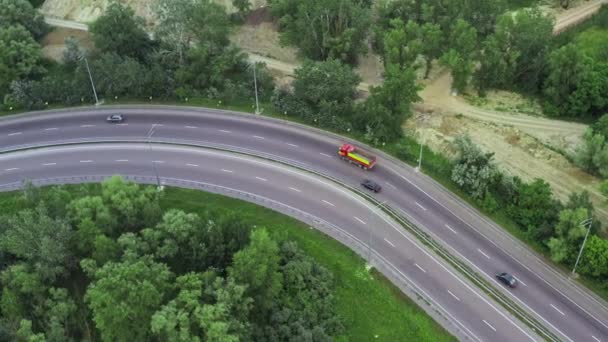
<point>289,186</point>
<point>568,309</point>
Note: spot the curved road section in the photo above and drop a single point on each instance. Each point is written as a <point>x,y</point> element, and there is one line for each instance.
<point>288,188</point>
<point>570,311</point>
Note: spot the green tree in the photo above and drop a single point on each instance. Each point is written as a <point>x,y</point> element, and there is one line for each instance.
<point>460,57</point>
<point>307,307</point>
<point>20,55</point>
<point>119,31</point>
<point>566,68</point>
<point>474,171</point>
<point>592,154</point>
<point>336,29</point>
<point>72,52</point>
<point>402,44</point>
<point>534,208</point>
<point>569,234</point>
<point>323,93</point>
<point>41,241</point>
<point>257,267</point>
<point>432,48</point>
<point>244,6</point>
<point>123,297</point>
<point>25,333</point>
<point>21,12</point>
<point>206,308</point>
<point>131,205</point>
<point>185,23</point>
<point>601,126</point>
<point>59,309</point>
<point>594,261</point>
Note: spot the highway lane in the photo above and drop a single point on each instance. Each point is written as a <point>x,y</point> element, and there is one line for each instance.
<point>322,198</point>
<point>573,315</point>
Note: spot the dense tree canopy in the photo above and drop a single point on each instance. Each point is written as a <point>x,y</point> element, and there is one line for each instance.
<point>335,29</point>
<point>21,12</point>
<point>119,31</point>
<point>132,274</point>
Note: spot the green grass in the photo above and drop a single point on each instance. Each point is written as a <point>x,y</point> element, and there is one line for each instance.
<point>368,303</point>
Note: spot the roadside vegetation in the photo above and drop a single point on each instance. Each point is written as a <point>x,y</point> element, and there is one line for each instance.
<point>119,261</point>
<point>484,44</point>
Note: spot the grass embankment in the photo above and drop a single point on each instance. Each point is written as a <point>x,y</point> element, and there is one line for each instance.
<point>369,304</point>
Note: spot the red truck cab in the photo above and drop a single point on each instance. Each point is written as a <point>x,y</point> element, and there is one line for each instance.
<point>356,156</point>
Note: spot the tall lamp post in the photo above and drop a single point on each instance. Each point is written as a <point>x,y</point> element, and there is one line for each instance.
<point>86,63</point>
<point>152,130</point>
<point>255,86</point>
<point>587,222</point>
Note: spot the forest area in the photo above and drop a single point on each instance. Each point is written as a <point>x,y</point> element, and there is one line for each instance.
<point>486,45</point>
<point>112,265</point>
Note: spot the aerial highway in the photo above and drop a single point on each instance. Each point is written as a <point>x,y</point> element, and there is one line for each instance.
<point>569,310</point>
<point>286,187</point>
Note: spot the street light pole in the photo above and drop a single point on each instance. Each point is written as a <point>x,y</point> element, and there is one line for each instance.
<point>586,222</point>
<point>152,130</point>
<point>91,78</point>
<point>255,85</point>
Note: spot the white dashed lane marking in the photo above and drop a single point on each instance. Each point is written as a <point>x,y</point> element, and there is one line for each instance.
<point>224,131</point>
<point>453,295</point>
<point>86,161</point>
<point>420,205</point>
<point>16,133</point>
<point>262,179</point>
<point>229,171</point>
<point>292,145</point>
<point>595,338</point>
<point>85,126</point>
<point>420,268</point>
<point>191,127</point>
<point>294,189</point>
<point>49,164</point>
<point>193,165</point>
<point>325,154</point>
<point>450,228</point>
<point>51,129</point>
<point>390,243</point>
<point>12,169</point>
<point>488,324</point>
<point>360,220</point>
<point>391,185</point>
<point>558,310</point>
<point>329,203</point>
<point>121,160</point>
<point>258,137</point>
<point>484,254</point>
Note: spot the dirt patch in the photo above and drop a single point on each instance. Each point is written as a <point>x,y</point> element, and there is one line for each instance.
<point>504,101</point>
<point>53,43</point>
<point>258,16</point>
<point>516,152</point>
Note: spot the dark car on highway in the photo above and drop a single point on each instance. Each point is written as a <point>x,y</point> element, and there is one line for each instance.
<point>115,118</point>
<point>507,279</point>
<point>371,185</point>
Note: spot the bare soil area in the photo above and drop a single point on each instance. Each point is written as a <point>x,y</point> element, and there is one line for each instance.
<point>53,43</point>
